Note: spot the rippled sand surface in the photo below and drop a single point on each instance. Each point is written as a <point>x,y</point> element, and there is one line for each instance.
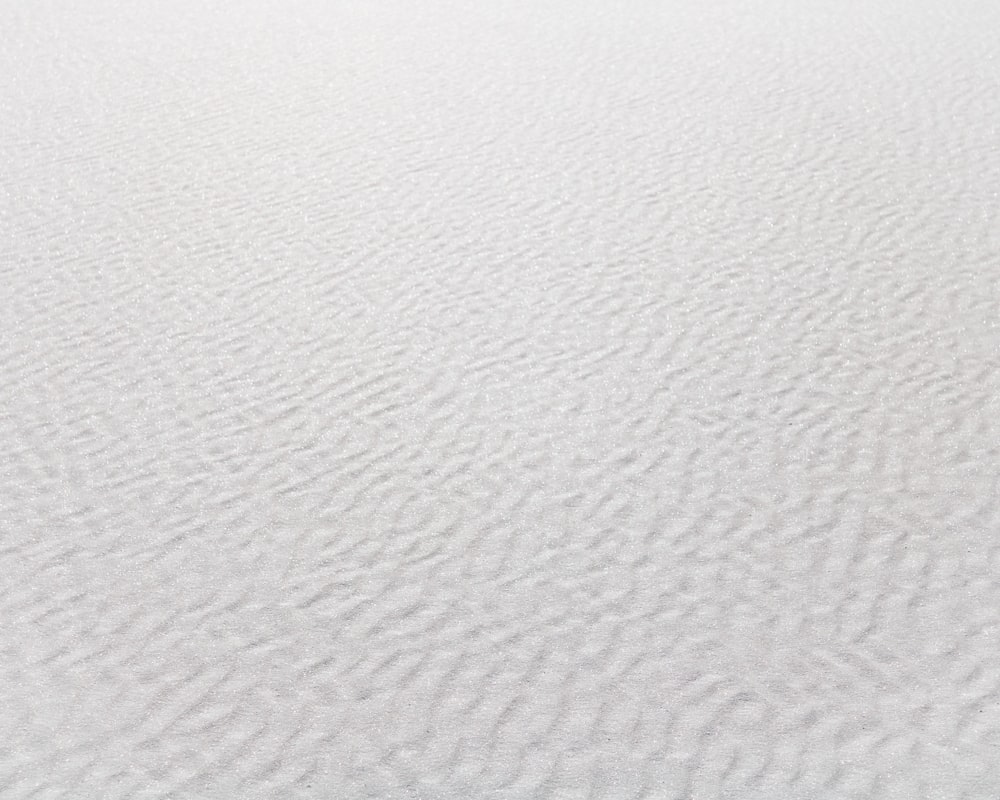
<point>432,400</point>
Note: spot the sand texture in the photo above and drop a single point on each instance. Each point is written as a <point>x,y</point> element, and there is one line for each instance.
<point>452,400</point>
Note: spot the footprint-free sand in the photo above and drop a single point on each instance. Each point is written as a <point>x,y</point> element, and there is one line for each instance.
<point>441,400</point>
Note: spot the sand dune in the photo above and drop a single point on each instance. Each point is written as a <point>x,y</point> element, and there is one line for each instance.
<point>441,400</point>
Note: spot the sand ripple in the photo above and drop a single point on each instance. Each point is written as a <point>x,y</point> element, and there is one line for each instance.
<point>504,400</point>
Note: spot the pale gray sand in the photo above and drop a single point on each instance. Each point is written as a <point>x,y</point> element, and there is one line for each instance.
<point>500,400</point>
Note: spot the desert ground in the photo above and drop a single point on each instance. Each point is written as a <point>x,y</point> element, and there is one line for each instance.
<point>442,400</point>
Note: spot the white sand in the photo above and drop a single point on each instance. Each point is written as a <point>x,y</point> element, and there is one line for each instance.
<point>441,400</point>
